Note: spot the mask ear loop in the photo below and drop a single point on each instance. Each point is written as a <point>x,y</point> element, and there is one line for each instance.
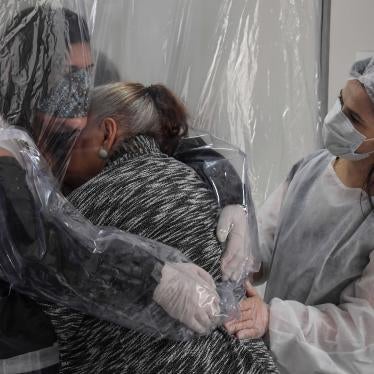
<point>365,140</point>
<point>369,142</point>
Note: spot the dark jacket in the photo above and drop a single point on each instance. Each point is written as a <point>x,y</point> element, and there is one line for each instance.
<point>26,230</point>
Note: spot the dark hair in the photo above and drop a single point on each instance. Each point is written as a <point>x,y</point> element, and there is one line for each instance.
<point>368,187</point>
<point>172,117</point>
<point>152,110</point>
<point>33,49</point>
<point>77,27</point>
<point>105,70</point>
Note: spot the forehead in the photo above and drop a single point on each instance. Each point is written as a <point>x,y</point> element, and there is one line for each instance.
<point>80,55</point>
<point>356,98</point>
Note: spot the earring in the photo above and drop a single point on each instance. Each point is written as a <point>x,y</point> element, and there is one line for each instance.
<point>103,153</point>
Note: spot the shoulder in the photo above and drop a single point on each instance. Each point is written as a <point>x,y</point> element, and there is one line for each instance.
<point>147,182</point>
<point>317,159</point>
<point>156,172</point>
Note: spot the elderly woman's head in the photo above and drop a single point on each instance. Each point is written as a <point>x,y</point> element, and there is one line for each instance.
<point>121,111</point>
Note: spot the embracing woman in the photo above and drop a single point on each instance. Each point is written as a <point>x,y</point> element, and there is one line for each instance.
<point>124,176</point>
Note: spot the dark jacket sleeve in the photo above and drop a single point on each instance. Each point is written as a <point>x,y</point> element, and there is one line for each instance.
<point>45,257</point>
<point>214,169</point>
<point>222,178</point>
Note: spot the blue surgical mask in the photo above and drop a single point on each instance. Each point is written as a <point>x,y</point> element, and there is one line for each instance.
<point>340,137</point>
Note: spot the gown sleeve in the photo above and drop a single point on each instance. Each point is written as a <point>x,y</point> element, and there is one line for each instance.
<point>327,338</point>
<point>267,221</point>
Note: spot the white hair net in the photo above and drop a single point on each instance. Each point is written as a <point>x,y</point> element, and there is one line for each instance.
<point>363,71</point>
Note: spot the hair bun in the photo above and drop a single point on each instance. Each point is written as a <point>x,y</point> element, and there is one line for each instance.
<point>172,115</point>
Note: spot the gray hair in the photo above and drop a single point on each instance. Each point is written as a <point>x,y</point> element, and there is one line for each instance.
<point>126,103</point>
<point>152,110</point>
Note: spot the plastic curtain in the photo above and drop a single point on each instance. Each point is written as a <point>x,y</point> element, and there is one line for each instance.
<point>248,70</point>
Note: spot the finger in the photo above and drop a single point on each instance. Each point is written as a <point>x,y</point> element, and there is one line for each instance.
<point>225,223</point>
<point>236,270</point>
<point>233,327</point>
<point>234,259</point>
<point>246,304</point>
<point>230,329</point>
<point>229,273</point>
<point>239,274</point>
<point>206,277</point>
<point>234,266</point>
<point>242,325</point>
<point>248,334</point>
<point>250,290</point>
<point>204,320</point>
<point>228,256</point>
<point>246,315</point>
<point>215,309</point>
<point>222,234</point>
<point>211,304</point>
<point>197,327</point>
<point>233,275</point>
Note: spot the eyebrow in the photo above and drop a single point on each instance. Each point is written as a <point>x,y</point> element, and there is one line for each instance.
<point>76,67</point>
<point>352,112</point>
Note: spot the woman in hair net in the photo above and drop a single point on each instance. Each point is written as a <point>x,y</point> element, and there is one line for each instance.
<point>316,237</point>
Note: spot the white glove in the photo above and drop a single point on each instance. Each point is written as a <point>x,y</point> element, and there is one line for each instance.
<point>188,294</point>
<point>237,260</point>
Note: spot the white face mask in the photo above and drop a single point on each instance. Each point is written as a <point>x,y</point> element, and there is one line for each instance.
<point>340,137</point>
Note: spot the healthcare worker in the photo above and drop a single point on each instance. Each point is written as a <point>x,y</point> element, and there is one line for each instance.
<point>317,241</point>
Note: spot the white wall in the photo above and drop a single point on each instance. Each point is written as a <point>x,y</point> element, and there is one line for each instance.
<point>351,31</point>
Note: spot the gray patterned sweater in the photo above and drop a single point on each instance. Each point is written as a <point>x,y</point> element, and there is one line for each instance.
<point>147,193</point>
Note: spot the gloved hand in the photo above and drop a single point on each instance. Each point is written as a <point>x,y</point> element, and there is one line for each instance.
<point>188,294</point>
<point>254,316</point>
<point>232,226</point>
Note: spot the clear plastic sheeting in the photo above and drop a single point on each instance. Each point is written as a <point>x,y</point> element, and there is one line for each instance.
<point>248,70</point>
<point>224,168</point>
<point>51,251</point>
<point>45,69</point>
<point>45,233</point>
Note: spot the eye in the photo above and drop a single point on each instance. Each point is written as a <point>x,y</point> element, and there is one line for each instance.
<point>353,118</point>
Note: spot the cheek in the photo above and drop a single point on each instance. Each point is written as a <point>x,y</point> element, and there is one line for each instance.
<point>370,132</point>
<point>367,131</point>
<point>84,159</point>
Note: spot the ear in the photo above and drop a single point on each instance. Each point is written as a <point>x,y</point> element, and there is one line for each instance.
<point>110,131</point>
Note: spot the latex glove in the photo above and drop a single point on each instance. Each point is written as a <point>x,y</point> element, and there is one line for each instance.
<point>233,227</point>
<point>254,316</point>
<point>188,294</point>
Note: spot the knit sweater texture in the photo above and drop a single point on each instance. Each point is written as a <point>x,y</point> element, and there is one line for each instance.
<point>147,193</point>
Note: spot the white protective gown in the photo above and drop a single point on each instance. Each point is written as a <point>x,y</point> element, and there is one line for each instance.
<point>317,240</point>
